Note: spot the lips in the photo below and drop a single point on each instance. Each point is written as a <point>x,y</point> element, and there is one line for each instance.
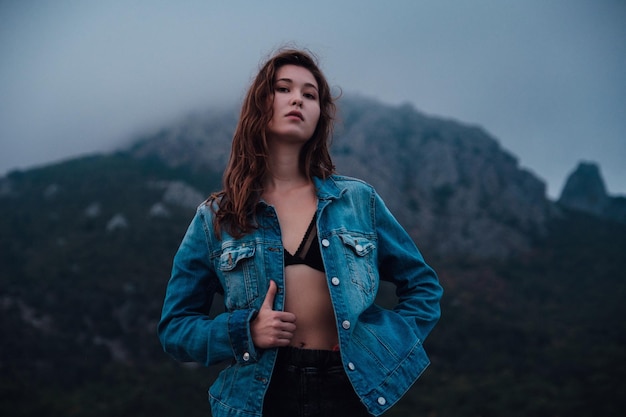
<point>295,113</point>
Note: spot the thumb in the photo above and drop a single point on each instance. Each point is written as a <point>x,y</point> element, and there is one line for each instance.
<point>268,303</point>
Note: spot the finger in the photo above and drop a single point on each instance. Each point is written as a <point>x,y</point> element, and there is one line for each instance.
<point>287,327</point>
<point>269,297</point>
<point>281,343</point>
<point>285,336</point>
<point>286,317</point>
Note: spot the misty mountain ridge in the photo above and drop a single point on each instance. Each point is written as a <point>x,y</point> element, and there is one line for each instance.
<point>451,185</point>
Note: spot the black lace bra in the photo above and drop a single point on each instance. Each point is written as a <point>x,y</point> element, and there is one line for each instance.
<point>308,252</point>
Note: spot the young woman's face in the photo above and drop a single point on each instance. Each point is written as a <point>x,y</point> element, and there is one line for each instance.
<point>296,104</point>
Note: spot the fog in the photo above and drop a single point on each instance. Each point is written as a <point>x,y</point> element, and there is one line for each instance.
<point>544,78</point>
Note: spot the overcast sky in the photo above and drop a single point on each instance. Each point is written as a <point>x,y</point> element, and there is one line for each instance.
<point>544,77</point>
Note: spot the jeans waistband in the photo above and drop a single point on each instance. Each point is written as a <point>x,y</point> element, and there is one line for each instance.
<point>307,358</point>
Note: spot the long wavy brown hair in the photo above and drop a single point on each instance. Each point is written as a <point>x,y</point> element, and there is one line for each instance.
<point>248,164</point>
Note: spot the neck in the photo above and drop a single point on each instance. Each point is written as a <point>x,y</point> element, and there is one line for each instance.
<point>285,171</point>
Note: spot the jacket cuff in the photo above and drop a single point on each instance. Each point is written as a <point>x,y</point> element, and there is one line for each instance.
<point>240,336</point>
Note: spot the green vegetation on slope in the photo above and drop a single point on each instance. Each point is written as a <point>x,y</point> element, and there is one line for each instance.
<point>540,336</point>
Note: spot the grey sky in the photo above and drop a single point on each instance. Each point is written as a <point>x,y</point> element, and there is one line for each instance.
<point>546,78</point>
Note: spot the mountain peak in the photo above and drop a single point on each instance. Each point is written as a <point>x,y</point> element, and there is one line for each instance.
<point>585,191</point>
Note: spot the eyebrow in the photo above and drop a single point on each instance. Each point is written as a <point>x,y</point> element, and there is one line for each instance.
<point>289,80</point>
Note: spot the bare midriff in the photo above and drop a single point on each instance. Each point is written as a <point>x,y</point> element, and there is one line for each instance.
<point>307,296</point>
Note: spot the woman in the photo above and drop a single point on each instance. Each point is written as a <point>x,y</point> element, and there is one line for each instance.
<point>298,253</point>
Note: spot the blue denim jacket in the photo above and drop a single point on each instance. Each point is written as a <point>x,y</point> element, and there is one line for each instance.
<point>361,243</point>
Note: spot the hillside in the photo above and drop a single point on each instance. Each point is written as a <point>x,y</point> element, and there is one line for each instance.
<point>86,248</point>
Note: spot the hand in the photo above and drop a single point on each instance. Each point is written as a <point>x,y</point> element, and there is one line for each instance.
<point>272,328</point>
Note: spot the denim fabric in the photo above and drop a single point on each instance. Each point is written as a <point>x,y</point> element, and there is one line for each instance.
<point>361,244</point>
<point>311,383</point>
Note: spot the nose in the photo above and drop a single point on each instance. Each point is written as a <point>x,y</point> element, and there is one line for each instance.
<point>296,101</point>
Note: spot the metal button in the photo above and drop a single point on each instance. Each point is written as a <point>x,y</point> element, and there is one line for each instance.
<point>325,243</point>
<point>345,324</point>
<point>382,401</point>
<point>358,248</point>
<point>351,366</point>
<point>335,281</point>
<point>246,356</point>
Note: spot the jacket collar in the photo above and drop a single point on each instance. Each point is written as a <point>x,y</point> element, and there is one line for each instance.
<point>327,189</point>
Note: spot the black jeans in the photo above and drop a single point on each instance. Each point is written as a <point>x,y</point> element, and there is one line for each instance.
<point>311,383</point>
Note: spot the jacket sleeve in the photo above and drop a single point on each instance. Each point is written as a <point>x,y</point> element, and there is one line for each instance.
<point>400,262</point>
<point>186,330</point>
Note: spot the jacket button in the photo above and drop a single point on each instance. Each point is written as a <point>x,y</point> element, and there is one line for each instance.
<point>345,324</point>
<point>325,243</point>
<point>358,248</point>
<point>351,366</point>
<point>246,356</point>
<point>335,281</point>
<point>382,401</point>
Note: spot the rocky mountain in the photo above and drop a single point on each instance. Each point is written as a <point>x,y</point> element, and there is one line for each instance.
<point>451,185</point>
<point>585,191</point>
<point>86,248</point>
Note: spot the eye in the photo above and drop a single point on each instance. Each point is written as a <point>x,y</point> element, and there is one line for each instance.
<point>310,96</point>
<point>281,89</point>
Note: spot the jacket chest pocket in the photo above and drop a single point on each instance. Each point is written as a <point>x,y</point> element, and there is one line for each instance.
<point>360,255</point>
<point>239,271</point>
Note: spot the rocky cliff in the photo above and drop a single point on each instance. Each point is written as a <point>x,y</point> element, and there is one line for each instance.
<point>450,184</point>
<point>585,191</point>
